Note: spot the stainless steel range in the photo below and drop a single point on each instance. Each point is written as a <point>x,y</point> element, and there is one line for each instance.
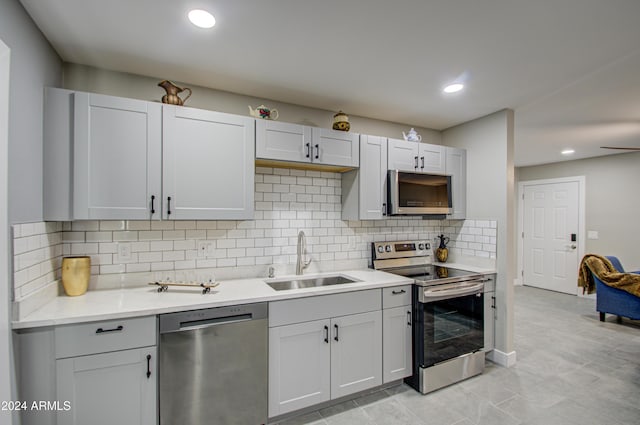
<point>448,314</point>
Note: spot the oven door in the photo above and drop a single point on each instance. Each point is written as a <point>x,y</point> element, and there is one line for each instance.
<point>450,321</point>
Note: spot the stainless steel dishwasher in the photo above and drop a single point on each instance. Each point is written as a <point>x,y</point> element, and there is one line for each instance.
<point>213,366</point>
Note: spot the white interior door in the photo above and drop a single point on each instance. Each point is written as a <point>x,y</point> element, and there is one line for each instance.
<point>5,279</point>
<point>550,218</point>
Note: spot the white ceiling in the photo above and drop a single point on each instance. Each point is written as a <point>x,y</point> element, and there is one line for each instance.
<point>569,68</point>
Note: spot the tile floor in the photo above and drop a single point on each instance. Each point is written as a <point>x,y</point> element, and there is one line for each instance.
<point>571,370</point>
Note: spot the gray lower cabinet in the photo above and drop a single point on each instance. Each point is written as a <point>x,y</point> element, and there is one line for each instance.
<point>490,313</point>
<point>98,373</point>
<point>109,388</point>
<point>397,333</point>
<point>319,352</point>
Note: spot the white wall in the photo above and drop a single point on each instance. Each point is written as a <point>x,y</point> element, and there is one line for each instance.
<point>612,201</point>
<point>5,332</point>
<point>95,80</point>
<point>490,196</point>
<point>34,65</point>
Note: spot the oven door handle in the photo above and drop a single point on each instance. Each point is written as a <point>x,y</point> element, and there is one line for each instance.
<point>429,295</point>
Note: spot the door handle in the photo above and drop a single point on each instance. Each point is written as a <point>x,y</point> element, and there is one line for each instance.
<point>317,152</point>
<point>326,334</point>
<point>416,159</point>
<point>422,159</point>
<point>148,365</point>
<point>336,337</point>
<point>408,318</point>
<point>402,291</point>
<point>153,200</point>
<point>168,205</point>
<point>308,147</point>
<point>384,208</point>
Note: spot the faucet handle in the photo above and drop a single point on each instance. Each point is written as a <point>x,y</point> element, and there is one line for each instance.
<point>272,271</point>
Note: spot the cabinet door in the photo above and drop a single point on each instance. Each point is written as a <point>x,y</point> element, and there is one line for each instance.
<point>432,158</point>
<point>396,343</point>
<point>373,177</point>
<point>356,353</point>
<point>456,160</point>
<point>299,357</point>
<point>117,155</point>
<point>489,320</point>
<point>403,155</point>
<point>208,164</point>
<point>283,141</point>
<point>333,147</point>
<point>107,389</point>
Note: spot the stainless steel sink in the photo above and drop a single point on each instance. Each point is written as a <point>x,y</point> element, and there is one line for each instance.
<point>310,282</point>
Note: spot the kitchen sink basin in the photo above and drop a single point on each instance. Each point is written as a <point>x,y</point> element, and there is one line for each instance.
<point>310,282</point>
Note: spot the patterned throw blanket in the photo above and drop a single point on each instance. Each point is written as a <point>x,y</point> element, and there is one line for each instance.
<point>602,267</point>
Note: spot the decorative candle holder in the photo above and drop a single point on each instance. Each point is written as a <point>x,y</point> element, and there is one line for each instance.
<point>75,275</point>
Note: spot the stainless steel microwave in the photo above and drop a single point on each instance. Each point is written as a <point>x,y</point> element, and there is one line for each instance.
<point>412,193</point>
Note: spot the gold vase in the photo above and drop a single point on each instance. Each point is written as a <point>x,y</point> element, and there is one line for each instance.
<point>442,254</point>
<point>75,275</point>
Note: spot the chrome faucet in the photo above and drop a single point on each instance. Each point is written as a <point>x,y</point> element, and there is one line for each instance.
<point>301,262</point>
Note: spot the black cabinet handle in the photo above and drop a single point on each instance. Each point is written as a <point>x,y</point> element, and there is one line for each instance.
<point>416,158</point>
<point>422,159</point>
<point>308,153</point>
<point>153,200</point>
<point>326,334</point>
<point>120,328</point>
<point>384,208</point>
<point>317,151</point>
<point>168,205</point>
<point>336,337</point>
<point>493,302</point>
<point>402,291</point>
<point>148,365</point>
<point>409,318</point>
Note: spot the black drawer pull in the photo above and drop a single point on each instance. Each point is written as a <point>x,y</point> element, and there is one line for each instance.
<point>168,205</point>
<point>402,291</point>
<point>326,334</point>
<point>409,318</point>
<point>104,331</point>
<point>336,337</point>
<point>148,365</point>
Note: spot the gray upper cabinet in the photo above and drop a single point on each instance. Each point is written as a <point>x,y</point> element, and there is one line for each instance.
<point>364,190</point>
<point>284,142</point>
<point>412,156</point>
<point>117,154</point>
<point>110,158</point>
<point>456,160</point>
<point>208,168</point>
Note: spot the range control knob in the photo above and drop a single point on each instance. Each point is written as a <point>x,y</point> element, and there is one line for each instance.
<point>427,245</point>
<point>380,249</point>
<point>421,247</point>
<point>387,248</point>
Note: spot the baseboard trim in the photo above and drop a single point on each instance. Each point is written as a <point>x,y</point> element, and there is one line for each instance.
<point>501,358</point>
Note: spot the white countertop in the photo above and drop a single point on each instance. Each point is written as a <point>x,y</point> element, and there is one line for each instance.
<point>146,301</point>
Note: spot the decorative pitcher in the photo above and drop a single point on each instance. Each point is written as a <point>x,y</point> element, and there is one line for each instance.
<point>264,112</point>
<point>172,90</point>
<point>442,253</point>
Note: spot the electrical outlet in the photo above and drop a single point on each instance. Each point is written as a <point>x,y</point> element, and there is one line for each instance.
<point>592,234</point>
<point>206,249</point>
<point>124,252</point>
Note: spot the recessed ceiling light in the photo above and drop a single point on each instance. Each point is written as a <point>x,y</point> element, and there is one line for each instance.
<point>568,152</point>
<point>452,88</point>
<point>202,18</point>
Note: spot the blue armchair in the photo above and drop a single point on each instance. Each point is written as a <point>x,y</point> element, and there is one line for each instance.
<point>616,301</point>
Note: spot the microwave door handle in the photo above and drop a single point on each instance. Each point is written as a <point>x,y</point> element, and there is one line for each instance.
<point>429,295</point>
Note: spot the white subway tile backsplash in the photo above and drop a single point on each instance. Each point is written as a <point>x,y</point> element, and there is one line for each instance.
<point>286,202</point>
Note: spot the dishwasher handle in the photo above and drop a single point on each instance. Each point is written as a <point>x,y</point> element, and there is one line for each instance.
<point>198,319</point>
<point>199,324</point>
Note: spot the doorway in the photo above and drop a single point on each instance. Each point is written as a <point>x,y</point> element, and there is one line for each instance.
<point>551,227</point>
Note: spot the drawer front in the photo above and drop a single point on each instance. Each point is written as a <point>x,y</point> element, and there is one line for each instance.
<point>104,336</point>
<point>307,309</point>
<point>396,296</point>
